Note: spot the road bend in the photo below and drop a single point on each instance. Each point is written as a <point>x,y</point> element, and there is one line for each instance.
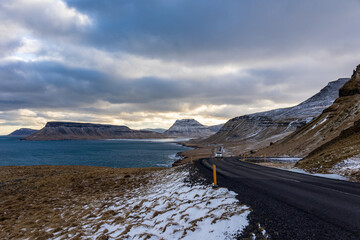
<point>291,205</point>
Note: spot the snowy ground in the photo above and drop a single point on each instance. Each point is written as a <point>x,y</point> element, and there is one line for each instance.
<point>340,171</point>
<point>167,208</point>
<point>348,166</point>
<point>325,175</point>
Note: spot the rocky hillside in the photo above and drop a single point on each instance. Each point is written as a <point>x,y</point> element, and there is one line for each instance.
<point>258,130</point>
<point>340,155</point>
<point>190,128</point>
<point>342,114</point>
<point>22,132</point>
<point>332,141</point>
<point>84,131</point>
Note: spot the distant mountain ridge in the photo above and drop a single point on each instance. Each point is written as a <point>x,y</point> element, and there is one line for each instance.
<point>88,131</point>
<point>191,128</point>
<point>255,131</point>
<point>22,132</point>
<point>187,128</point>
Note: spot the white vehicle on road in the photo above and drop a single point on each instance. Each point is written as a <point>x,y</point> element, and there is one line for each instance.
<point>219,154</point>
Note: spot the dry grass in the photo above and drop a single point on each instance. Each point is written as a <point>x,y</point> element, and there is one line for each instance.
<point>58,197</point>
<point>79,202</point>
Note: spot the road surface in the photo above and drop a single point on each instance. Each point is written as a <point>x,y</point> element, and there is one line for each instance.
<point>291,205</point>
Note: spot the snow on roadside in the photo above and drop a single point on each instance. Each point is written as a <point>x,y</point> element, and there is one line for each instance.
<point>324,175</point>
<point>169,208</point>
<point>283,159</point>
<point>348,166</point>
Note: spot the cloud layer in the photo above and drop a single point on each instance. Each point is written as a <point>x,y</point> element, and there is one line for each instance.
<point>147,63</point>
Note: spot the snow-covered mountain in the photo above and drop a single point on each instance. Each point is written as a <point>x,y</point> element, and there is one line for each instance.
<point>258,130</point>
<point>310,108</point>
<point>190,128</point>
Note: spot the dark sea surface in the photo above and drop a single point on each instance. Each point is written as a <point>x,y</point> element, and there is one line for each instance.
<point>108,153</point>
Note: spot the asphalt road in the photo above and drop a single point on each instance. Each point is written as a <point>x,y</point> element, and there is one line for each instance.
<point>291,205</point>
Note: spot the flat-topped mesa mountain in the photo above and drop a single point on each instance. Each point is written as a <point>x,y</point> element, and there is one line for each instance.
<point>89,131</point>
<point>22,132</point>
<point>255,131</point>
<point>190,128</point>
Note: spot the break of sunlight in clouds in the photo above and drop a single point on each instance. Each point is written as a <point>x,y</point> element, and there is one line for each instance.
<point>130,66</point>
<point>148,63</point>
<point>45,14</point>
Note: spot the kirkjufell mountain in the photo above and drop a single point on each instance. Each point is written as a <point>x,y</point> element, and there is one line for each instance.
<point>191,128</point>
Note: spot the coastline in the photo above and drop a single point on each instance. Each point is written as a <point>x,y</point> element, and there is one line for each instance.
<point>197,152</point>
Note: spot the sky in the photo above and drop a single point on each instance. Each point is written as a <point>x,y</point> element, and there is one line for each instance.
<point>146,63</point>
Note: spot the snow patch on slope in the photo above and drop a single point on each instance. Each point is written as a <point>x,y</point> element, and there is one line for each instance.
<point>324,120</point>
<point>348,166</point>
<point>169,208</point>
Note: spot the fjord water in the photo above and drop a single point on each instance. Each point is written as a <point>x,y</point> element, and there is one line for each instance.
<point>107,153</point>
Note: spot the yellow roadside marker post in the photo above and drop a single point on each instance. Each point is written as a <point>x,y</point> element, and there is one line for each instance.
<point>265,159</point>
<point>214,173</point>
<point>191,160</point>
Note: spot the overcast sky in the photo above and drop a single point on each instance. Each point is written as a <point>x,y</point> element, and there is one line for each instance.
<point>147,63</point>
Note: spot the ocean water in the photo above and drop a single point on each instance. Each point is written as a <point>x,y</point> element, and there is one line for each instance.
<point>107,153</point>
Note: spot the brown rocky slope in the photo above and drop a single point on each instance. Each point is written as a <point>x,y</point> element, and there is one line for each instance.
<point>324,158</point>
<point>340,116</point>
<point>332,137</point>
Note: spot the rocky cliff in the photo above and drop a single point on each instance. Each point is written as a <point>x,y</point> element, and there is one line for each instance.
<point>351,87</point>
<point>255,131</point>
<point>22,132</point>
<point>331,138</point>
<point>339,116</point>
<point>190,128</point>
<point>84,131</point>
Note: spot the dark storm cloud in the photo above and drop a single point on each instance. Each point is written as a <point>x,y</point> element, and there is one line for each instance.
<point>53,85</point>
<point>150,56</point>
<point>212,30</point>
<point>45,84</point>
